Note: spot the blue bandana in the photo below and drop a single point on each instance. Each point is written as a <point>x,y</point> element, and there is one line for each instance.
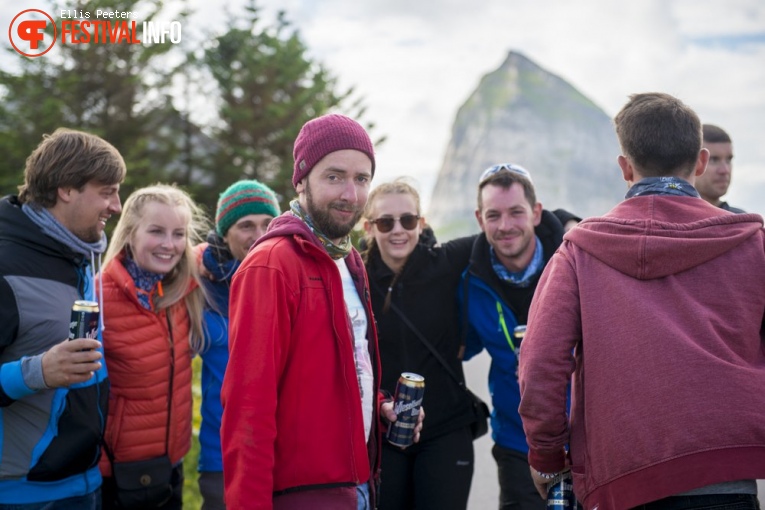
<point>662,186</point>
<point>145,281</point>
<point>521,278</point>
<point>222,265</point>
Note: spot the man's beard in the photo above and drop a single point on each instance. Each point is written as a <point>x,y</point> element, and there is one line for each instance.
<point>89,235</point>
<point>322,218</point>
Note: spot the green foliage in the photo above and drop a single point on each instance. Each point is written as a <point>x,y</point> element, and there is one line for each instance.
<point>268,89</point>
<point>118,91</point>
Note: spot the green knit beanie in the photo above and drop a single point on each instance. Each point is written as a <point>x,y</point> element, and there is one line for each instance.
<point>243,198</point>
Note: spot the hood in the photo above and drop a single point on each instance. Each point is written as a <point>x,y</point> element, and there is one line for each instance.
<point>655,236</point>
<point>287,224</point>
<point>15,226</point>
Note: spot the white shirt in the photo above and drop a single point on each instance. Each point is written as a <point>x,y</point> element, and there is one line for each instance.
<point>358,317</point>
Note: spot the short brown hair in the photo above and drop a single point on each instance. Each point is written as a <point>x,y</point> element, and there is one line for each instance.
<point>69,158</point>
<point>714,134</point>
<point>659,134</point>
<point>505,180</point>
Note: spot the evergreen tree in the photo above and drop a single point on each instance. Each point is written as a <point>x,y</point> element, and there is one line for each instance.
<point>120,92</point>
<point>268,88</point>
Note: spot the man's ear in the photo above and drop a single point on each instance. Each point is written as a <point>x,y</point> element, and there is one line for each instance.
<point>479,218</point>
<point>627,171</point>
<point>537,214</point>
<point>301,185</point>
<point>64,194</point>
<point>701,163</point>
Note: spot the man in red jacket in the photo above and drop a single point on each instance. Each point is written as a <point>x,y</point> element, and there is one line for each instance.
<point>301,401</point>
<point>657,308</point>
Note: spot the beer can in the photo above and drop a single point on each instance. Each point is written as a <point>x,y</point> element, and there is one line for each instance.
<point>518,333</point>
<point>84,322</point>
<point>410,389</point>
<point>560,492</point>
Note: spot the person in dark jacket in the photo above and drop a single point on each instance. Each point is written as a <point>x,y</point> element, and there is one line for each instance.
<point>409,275</point>
<point>713,184</point>
<point>567,219</point>
<point>53,392</point>
<point>519,238</point>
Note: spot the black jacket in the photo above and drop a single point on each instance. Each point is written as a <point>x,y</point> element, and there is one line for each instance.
<point>426,293</point>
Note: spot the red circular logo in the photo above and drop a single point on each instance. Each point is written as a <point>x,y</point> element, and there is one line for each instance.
<point>31,31</point>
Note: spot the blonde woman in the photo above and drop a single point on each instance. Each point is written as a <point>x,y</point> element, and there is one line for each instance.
<point>153,325</point>
<point>409,275</point>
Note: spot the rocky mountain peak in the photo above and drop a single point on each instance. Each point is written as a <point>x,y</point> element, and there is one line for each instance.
<point>520,113</point>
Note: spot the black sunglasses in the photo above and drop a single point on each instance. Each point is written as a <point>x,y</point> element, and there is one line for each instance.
<point>386,224</point>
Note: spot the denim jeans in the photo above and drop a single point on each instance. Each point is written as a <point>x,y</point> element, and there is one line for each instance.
<point>90,501</point>
<point>362,491</point>
<point>705,502</point>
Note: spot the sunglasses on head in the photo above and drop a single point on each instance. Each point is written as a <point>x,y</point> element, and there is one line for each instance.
<point>508,167</point>
<point>386,224</point>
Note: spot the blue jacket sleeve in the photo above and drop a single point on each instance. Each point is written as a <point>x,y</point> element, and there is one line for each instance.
<point>472,341</point>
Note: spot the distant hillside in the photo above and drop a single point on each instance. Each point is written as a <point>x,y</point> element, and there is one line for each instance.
<point>522,114</point>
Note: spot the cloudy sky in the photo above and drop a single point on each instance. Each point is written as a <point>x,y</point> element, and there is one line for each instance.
<point>415,63</point>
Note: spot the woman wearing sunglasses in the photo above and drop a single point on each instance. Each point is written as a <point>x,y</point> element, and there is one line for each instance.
<point>414,284</point>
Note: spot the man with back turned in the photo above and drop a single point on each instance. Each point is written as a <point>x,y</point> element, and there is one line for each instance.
<point>657,310</point>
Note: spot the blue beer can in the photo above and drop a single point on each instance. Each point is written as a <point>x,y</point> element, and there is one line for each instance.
<point>410,390</point>
<point>84,321</point>
<point>560,492</point>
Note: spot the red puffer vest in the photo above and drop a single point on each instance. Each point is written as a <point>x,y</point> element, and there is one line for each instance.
<point>142,349</point>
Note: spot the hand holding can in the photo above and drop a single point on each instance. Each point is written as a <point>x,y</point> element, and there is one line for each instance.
<point>410,391</point>
<point>560,492</point>
<point>84,321</point>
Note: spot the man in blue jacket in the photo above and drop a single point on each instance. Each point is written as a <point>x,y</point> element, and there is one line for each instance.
<point>53,392</point>
<point>518,239</point>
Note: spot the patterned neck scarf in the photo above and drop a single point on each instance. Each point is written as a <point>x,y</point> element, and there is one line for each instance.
<point>145,282</point>
<point>521,278</point>
<point>662,186</point>
<point>336,251</point>
<point>222,265</point>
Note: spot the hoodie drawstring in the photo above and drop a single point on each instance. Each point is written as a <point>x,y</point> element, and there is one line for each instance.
<point>98,296</point>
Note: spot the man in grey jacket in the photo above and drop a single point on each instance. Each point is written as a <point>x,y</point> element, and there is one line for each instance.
<point>53,392</point>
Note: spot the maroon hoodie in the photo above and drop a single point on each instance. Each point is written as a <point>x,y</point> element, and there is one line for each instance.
<point>661,302</point>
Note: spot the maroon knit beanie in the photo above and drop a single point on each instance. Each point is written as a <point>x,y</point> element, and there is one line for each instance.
<point>325,134</point>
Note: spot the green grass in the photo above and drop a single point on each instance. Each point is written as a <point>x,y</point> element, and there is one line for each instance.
<point>192,500</point>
